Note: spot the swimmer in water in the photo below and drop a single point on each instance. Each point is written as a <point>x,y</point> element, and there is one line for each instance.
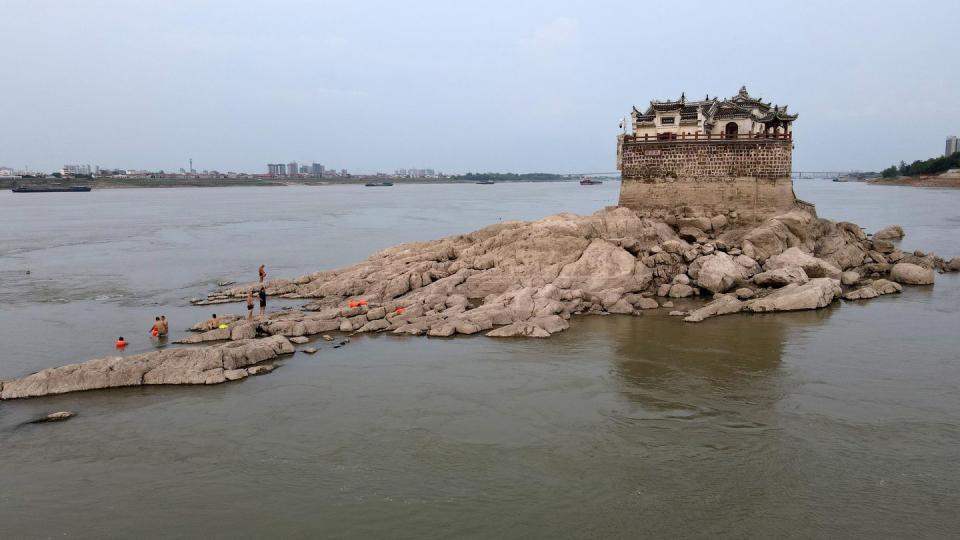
<point>121,344</point>
<point>155,330</point>
<point>164,326</point>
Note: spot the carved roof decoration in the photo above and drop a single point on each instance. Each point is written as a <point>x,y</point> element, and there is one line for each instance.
<point>740,106</point>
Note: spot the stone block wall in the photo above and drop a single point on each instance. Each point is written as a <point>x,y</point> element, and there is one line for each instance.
<point>751,177</point>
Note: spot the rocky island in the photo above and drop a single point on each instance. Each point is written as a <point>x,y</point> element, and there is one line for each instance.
<point>706,210</point>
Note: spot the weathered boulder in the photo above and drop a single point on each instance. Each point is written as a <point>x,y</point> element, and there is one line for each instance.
<point>718,272</point>
<point>953,265</point>
<point>722,304</point>
<point>679,290</point>
<point>893,232</point>
<point>778,234</point>
<point>646,303</point>
<point>299,340</point>
<point>744,293</point>
<point>849,278</point>
<point>816,293</point>
<point>814,267</point>
<point>911,274</point>
<point>873,290</point>
<point>205,365</point>
<point>781,276</point>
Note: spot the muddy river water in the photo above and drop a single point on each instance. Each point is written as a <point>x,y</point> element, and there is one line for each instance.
<point>840,423</point>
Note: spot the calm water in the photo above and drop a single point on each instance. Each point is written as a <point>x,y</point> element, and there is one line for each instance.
<point>843,422</point>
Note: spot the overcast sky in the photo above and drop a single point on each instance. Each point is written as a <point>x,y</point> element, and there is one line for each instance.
<point>458,86</point>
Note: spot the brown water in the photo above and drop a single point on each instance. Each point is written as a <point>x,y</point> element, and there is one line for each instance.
<point>843,422</point>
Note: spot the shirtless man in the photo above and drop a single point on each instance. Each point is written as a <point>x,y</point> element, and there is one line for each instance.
<point>263,302</point>
<point>213,322</point>
<point>155,329</point>
<point>263,273</point>
<point>250,305</point>
<point>164,326</point>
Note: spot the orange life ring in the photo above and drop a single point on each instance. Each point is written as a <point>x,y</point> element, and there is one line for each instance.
<point>120,344</point>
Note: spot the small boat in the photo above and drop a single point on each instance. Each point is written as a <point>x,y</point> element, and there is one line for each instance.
<point>485,182</point>
<point>51,189</point>
<point>842,178</point>
<point>379,184</point>
<point>590,182</point>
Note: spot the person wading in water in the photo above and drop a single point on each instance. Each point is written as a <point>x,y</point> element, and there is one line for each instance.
<point>249,305</point>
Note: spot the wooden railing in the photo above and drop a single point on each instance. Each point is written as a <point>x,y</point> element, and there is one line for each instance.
<point>666,137</point>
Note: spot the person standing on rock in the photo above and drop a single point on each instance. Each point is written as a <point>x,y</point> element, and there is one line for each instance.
<point>250,305</point>
<point>263,301</point>
<point>263,273</point>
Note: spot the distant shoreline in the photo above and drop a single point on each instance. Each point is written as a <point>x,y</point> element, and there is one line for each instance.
<point>918,181</point>
<point>150,183</point>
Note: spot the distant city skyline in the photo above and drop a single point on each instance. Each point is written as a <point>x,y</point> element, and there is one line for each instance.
<point>492,86</point>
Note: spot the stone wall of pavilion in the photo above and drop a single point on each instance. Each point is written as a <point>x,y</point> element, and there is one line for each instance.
<point>751,177</point>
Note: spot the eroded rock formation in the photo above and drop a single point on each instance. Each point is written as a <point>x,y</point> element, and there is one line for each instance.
<point>205,365</point>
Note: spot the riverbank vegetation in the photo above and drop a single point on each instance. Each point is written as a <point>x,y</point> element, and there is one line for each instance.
<point>927,167</point>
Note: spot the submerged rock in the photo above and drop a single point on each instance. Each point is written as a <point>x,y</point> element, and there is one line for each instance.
<point>722,304</point>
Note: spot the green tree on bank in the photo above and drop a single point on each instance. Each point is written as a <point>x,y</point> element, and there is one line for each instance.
<point>927,167</point>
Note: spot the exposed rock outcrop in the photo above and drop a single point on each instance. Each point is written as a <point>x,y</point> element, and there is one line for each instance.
<point>893,232</point>
<point>873,290</point>
<point>207,365</point>
<point>911,274</point>
<point>509,279</point>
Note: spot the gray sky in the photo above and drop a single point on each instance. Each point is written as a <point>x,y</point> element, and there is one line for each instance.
<point>458,86</point>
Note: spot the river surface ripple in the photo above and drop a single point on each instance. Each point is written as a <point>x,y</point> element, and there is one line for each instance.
<point>840,423</point>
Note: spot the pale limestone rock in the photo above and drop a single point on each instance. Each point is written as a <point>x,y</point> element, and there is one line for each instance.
<point>778,234</point>
<point>679,290</point>
<point>911,274</point>
<point>781,277</point>
<point>893,232</point>
<point>646,303</point>
<point>235,374</point>
<point>376,313</point>
<point>310,350</point>
<point>814,267</point>
<point>220,334</point>
<point>817,293</point>
<point>873,290</point>
<point>206,365</point>
<point>744,293</point>
<point>375,326</point>
<point>849,278</point>
<point>260,370</point>
<point>299,340</point>
<point>683,279</point>
<point>717,273</point>
<point>621,307</point>
<point>722,304</point>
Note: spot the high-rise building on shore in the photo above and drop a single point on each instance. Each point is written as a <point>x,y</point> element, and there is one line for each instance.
<point>292,169</point>
<point>953,145</point>
<point>75,170</point>
<point>276,169</point>
<point>316,169</point>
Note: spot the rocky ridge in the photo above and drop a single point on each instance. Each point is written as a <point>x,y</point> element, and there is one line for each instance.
<point>527,279</point>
